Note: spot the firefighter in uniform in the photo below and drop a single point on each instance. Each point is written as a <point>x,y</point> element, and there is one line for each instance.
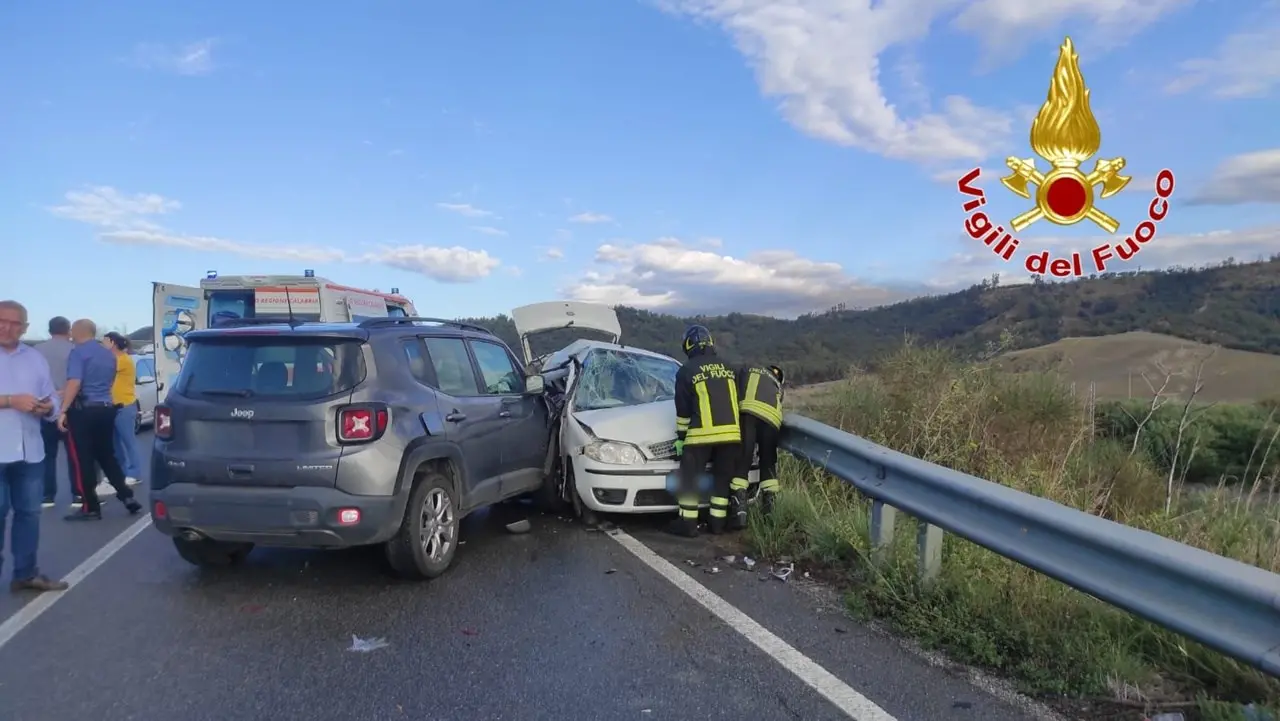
<point>760,403</point>
<point>706,432</point>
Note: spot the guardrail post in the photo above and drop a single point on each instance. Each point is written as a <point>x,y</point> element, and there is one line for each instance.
<point>882,518</point>
<point>929,551</point>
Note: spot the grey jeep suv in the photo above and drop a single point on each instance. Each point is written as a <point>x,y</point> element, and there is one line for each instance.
<point>318,435</point>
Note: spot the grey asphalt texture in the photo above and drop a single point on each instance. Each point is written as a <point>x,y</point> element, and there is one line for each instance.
<point>560,623</point>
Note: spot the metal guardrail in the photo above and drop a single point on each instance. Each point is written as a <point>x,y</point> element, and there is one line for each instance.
<point>1222,603</point>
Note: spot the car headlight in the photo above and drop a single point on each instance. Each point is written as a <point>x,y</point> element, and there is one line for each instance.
<point>614,453</point>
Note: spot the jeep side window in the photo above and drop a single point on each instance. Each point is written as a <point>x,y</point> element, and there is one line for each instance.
<point>417,361</point>
<point>452,364</point>
<point>499,374</point>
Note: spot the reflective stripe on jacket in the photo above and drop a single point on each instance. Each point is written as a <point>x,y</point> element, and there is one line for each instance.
<point>707,402</point>
<point>760,394</point>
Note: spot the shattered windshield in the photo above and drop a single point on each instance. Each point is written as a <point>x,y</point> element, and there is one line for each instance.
<point>616,378</point>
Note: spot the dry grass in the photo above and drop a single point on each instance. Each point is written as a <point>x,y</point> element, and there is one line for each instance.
<point>1027,431</point>
<point>1115,364</point>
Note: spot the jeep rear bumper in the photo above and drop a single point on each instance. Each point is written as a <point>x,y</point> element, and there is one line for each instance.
<point>302,517</point>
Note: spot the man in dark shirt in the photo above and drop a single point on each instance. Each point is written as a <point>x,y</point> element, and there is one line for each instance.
<point>89,416</point>
<point>56,350</point>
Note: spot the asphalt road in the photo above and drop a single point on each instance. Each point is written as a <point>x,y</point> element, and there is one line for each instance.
<point>560,623</point>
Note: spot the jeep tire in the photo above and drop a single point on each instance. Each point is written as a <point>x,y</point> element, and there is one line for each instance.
<point>207,553</point>
<point>424,546</point>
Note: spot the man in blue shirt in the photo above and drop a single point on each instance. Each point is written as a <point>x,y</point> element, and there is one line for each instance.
<point>26,396</point>
<point>89,415</point>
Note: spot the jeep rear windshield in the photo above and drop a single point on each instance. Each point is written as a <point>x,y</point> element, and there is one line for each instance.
<point>271,367</point>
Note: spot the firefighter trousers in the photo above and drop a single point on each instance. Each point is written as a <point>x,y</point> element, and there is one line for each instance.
<point>758,433</point>
<point>723,458</point>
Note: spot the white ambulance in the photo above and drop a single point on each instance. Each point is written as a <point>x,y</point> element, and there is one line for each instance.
<point>177,309</point>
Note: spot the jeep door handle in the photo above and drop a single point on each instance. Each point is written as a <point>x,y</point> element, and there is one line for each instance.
<point>504,414</point>
<point>456,417</point>
<point>239,470</point>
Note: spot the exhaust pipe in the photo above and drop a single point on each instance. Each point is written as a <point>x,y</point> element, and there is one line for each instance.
<point>190,535</point>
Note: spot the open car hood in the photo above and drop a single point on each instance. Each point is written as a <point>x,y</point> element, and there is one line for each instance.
<point>553,315</point>
<point>642,424</point>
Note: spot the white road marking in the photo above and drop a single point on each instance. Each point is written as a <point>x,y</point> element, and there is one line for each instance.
<point>841,695</point>
<point>30,612</point>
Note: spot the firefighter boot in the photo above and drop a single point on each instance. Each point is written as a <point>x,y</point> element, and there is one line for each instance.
<point>716,524</point>
<point>767,499</point>
<point>738,511</point>
<point>683,527</point>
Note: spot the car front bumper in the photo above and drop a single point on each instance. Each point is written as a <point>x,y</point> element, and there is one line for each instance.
<point>630,489</point>
<point>302,517</point>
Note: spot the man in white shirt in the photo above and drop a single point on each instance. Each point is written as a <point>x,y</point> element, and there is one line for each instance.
<point>27,397</point>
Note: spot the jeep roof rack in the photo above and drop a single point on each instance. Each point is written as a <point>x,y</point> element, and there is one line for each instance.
<point>397,320</point>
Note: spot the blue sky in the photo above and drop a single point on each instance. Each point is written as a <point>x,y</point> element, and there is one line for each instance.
<point>681,155</point>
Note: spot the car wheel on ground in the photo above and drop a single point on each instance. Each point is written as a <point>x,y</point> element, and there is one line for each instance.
<point>207,553</point>
<point>580,510</point>
<point>550,496</point>
<point>427,541</point>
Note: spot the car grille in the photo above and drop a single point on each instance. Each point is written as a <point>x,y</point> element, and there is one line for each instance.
<point>665,451</point>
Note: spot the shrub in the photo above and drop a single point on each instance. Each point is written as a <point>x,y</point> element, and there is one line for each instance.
<point>1028,432</point>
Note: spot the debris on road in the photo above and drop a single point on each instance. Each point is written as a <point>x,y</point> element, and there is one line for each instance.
<point>729,559</point>
<point>521,526</point>
<point>692,562</point>
<point>841,629</point>
<point>470,632</point>
<point>365,645</point>
<point>711,569</point>
<point>784,571</point>
<point>611,570</point>
<point>749,562</point>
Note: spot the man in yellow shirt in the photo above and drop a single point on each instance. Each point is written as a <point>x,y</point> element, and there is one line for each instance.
<point>124,396</point>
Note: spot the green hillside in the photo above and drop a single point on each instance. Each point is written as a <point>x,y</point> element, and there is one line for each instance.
<point>1236,305</point>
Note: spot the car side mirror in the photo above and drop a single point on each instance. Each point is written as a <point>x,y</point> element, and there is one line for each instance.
<point>534,385</point>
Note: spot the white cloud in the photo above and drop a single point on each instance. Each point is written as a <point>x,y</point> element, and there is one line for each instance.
<point>822,60</point>
<point>1005,26</point>
<point>1247,178</point>
<point>1246,64</point>
<point>488,230</point>
<point>551,253</point>
<point>128,220</point>
<point>466,209</point>
<point>190,59</point>
<point>669,275</point>
<point>590,217</point>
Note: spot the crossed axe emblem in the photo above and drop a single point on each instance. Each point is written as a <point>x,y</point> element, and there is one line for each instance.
<point>1106,172</point>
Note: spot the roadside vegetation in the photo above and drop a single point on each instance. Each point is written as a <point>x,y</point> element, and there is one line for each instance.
<point>1031,432</point>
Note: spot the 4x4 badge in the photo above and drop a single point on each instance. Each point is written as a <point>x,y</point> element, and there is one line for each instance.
<point>245,414</point>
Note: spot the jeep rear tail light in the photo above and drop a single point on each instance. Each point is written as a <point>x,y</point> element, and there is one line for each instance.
<point>164,423</point>
<point>362,423</point>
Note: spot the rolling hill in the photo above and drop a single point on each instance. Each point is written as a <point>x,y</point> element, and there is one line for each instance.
<point>1116,364</point>
<point>1233,305</point>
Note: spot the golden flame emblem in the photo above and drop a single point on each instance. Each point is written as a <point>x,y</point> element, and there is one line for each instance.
<point>1066,134</point>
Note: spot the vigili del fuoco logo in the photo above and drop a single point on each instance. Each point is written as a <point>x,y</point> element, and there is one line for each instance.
<point>1065,134</point>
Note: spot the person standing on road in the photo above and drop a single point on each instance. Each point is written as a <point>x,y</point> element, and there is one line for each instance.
<point>27,396</point>
<point>706,432</point>
<point>56,350</point>
<point>760,403</point>
<point>90,416</point>
<point>125,395</point>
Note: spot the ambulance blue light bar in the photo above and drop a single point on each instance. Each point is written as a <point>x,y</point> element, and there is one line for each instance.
<point>308,273</point>
<point>210,274</point>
